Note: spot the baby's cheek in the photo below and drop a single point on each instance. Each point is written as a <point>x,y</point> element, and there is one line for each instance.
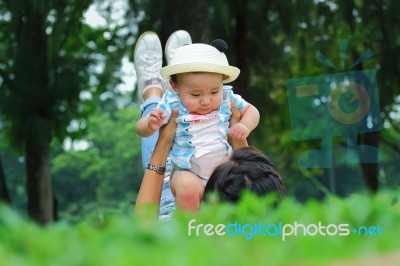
<point>218,100</point>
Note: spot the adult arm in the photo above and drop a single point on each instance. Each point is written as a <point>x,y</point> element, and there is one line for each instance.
<point>151,187</point>
<point>235,117</point>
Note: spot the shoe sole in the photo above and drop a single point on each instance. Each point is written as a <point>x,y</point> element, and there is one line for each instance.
<point>170,39</point>
<point>144,34</point>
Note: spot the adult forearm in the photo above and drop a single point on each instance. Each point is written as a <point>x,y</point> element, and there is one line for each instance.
<point>152,183</point>
<point>238,143</point>
<point>151,187</point>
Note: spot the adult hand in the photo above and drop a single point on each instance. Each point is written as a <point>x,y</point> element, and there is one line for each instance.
<point>167,132</point>
<point>235,118</point>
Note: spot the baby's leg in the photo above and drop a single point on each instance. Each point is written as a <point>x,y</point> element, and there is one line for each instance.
<point>188,190</point>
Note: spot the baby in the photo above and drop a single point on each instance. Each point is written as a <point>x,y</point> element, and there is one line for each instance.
<point>197,73</point>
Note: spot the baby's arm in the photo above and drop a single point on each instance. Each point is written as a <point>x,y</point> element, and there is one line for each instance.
<point>248,122</point>
<point>146,126</point>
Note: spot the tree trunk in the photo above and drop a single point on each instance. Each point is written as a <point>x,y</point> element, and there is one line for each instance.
<point>189,15</point>
<point>242,83</point>
<point>33,79</point>
<point>4,195</point>
<point>40,194</point>
<point>370,170</point>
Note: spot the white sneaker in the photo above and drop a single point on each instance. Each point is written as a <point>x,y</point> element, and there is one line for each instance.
<point>177,39</point>
<point>148,62</point>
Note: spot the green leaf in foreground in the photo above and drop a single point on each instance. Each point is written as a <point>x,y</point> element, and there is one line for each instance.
<point>122,240</point>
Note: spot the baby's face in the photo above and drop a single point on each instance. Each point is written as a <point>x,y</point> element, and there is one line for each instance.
<point>200,92</point>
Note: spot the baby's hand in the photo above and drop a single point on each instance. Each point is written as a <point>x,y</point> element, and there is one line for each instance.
<point>155,119</point>
<point>239,131</point>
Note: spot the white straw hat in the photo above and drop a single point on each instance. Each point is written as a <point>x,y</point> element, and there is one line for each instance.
<point>200,57</point>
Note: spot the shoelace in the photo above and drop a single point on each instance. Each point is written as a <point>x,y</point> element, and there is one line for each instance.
<point>152,65</point>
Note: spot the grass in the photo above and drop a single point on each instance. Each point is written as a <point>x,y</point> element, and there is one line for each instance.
<point>122,240</point>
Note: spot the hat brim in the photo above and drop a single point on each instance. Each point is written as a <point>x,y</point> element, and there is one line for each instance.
<point>230,72</point>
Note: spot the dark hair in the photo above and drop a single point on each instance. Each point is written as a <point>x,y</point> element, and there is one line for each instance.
<point>174,78</point>
<point>247,169</point>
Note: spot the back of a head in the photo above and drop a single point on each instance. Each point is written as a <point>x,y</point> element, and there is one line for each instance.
<point>248,169</point>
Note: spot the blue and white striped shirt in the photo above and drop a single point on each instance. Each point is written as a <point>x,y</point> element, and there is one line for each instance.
<point>182,148</point>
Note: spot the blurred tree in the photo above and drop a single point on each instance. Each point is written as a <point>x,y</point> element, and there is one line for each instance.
<point>13,167</point>
<point>273,41</point>
<point>190,15</point>
<point>165,17</point>
<point>4,192</point>
<point>4,195</point>
<point>108,170</point>
<point>369,23</point>
<point>47,54</point>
